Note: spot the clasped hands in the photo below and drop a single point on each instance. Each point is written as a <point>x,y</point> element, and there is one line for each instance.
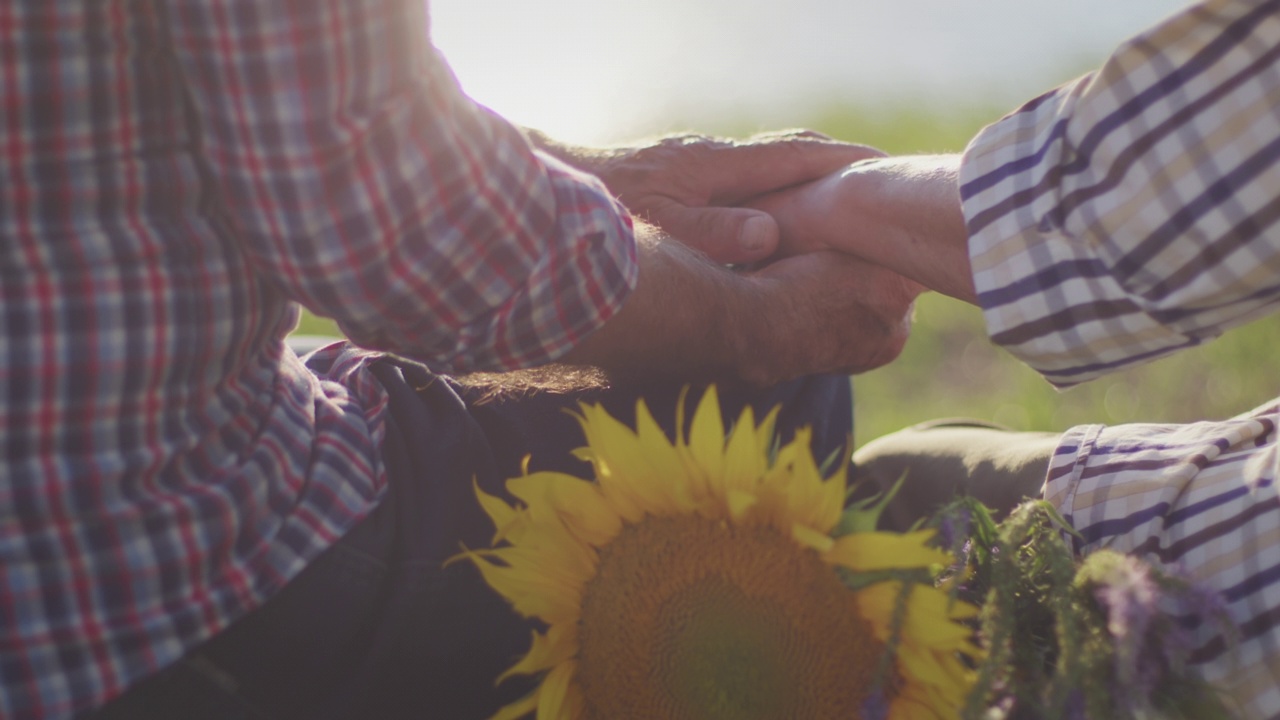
<point>826,249</point>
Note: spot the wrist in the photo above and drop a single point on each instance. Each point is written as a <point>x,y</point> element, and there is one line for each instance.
<point>586,159</point>
<point>770,332</point>
<point>906,216</point>
<point>749,332</point>
<point>686,318</point>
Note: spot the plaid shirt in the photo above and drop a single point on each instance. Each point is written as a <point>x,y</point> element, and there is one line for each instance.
<point>1120,218</point>
<point>175,176</point>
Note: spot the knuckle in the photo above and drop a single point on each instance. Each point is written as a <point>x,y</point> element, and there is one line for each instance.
<point>631,179</point>
<point>675,147</point>
<point>789,134</point>
<point>666,166</point>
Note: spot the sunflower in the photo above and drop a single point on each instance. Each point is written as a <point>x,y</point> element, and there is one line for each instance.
<point>702,579</point>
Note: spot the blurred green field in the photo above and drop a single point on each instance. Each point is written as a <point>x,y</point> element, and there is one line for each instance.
<point>949,368</point>
<point>312,325</point>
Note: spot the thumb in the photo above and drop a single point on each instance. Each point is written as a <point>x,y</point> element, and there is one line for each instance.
<point>726,235</point>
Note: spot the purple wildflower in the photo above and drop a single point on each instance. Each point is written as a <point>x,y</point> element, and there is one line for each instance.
<point>954,527</point>
<point>1129,596</point>
<point>1151,618</point>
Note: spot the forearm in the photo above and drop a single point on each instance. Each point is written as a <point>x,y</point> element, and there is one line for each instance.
<point>913,204</point>
<point>681,320</point>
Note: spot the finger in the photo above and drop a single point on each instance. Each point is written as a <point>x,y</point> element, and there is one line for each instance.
<point>726,235</point>
<point>745,171</point>
<point>802,222</point>
<point>860,315</point>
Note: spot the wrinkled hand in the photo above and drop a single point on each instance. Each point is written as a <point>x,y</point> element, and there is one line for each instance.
<point>691,185</point>
<point>689,318</point>
<point>812,217</point>
<point>902,213</point>
<point>828,312</point>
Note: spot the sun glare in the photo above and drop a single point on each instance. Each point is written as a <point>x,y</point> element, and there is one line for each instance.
<point>593,72</point>
<point>563,67</point>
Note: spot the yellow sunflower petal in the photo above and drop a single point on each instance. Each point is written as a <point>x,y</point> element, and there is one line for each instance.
<point>776,489</point>
<point>557,645</point>
<point>740,503</point>
<point>765,433</point>
<point>941,699</point>
<point>502,514</point>
<point>930,617</point>
<point>555,552</point>
<point>819,503</point>
<point>932,601</point>
<point>530,593</point>
<point>664,460</point>
<point>743,463</point>
<point>598,436</point>
<point>923,667</point>
<point>871,551</point>
<point>809,498</point>
<point>829,504</point>
<point>810,538</point>
<point>544,538</point>
<point>706,439</point>
<point>581,504</point>
<point>622,468</point>
<point>935,682</point>
<point>514,530</point>
<point>786,455</point>
<point>876,604</point>
<point>960,675</point>
<point>518,709</point>
<point>554,692</point>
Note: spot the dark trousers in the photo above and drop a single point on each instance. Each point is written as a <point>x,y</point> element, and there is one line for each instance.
<point>377,627</point>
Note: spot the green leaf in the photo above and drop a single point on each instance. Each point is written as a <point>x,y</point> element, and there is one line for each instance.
<point>864,515</point>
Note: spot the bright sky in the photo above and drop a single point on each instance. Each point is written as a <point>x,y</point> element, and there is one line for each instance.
<point>593,70</point>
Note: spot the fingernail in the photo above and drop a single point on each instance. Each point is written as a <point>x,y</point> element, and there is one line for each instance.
<point>756,234</point>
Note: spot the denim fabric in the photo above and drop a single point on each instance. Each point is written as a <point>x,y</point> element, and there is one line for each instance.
<point>377,627</point>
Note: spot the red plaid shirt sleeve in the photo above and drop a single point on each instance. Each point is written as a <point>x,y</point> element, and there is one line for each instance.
<point>175,176</point>
<point>365,182</point>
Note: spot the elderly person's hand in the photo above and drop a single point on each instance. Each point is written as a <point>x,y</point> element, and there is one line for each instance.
<point>813,313</point>
<point>690,185</point>
<point>828,312</point>
<point>902,213</point>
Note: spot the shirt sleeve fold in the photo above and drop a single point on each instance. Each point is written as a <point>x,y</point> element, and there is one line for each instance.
<point>1133,211</point>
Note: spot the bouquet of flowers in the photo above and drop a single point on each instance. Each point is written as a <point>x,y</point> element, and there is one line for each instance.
<point>715,576</point>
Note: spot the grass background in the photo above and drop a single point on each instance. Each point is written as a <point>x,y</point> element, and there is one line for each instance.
<point>949,368</point>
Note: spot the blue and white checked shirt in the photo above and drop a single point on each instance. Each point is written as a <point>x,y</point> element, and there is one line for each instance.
<point>174,176</point>
<point>1120,218</point>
